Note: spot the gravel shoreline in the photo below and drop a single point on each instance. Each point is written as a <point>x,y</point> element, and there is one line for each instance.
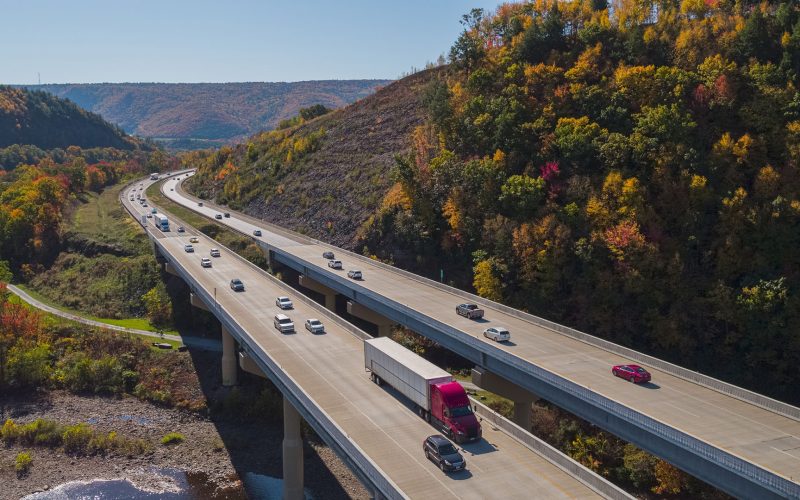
<point>223,451</point>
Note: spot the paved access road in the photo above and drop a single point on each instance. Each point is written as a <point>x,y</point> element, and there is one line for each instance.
<point>198,342</point>
<point>330,368</point>
<point>757,435</point>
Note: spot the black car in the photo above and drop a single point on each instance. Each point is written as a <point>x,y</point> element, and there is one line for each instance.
<point>227,215</point>
<point>327,255</point>
<point>442,452</point>
<point>237,285</point>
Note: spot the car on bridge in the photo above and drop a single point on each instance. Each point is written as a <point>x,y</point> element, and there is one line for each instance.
<point>328,255</point>
<point>205,262</point>
<point>354,274</point>
<point>237,285</point>
<point>181,229</point>
<point>218,216</point>
<point>227,215</point>
<point>215,252</point>
<point>471,311</point>
<point>188,248</point>
<point>314,325</point>
<point>193,239</point>
<point>497,333</point>
<point>631,373</point>
<point>200,204</point>
<point>335,264</point>
<point>284,303</point>
<point>283,323</point>
<point>439,450</point>
<point>256,232</point>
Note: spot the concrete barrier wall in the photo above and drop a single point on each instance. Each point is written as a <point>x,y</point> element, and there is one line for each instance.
<point>562,461</point>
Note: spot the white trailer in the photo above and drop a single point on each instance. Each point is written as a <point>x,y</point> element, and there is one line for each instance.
<point>402,369</point>
<point>161,221</point>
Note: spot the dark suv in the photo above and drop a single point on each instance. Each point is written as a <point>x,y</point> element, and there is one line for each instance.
<point>442,452</point>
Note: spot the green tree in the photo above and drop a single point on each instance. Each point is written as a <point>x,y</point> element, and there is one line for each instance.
<point>158,305</point>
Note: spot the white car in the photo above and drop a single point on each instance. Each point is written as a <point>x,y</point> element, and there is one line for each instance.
<point>283,323</point>
<point>497,333</point>
<point>314,325</point>
<point>188,248</point>
<point>335,264</point>
<point>284,303</point>
<point>205,262</point>
<point>354,274</point>
<point>193,239</point>
<point>215,252</point>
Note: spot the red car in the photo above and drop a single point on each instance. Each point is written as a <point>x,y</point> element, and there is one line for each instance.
<point>631,373</point>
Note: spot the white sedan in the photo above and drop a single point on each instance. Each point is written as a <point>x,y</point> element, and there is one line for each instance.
<point>497,333</point>
<point>284,302</point>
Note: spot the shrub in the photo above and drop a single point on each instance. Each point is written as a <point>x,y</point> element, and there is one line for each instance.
<point>76,438</point>
<point>22,464</point>
<point>29,365</point>
<point>132,447</point>
<point>41,432</point>
<point>172,438</point>
<point>9,432</point>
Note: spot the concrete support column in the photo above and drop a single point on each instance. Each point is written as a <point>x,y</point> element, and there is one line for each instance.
<point>522,413</point>
<point>229,359</point>
<point>328,293</point>
<point>197,302</point>
<point>383,323</point>
<point>168,267</point>
<point>292,453</point>
<point>522,398</point>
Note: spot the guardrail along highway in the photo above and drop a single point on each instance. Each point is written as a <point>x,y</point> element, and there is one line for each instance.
<point>743,443</point>
<point>322,378</point>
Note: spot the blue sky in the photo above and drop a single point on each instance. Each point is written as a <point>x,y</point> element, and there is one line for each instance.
<point>77,41</point>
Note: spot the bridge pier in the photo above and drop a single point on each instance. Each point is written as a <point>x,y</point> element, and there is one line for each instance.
<point>292,453</point>
<point>330,294</point>
<point>229,357</point>
<point>197,302</point>
<point>522,398</point>
<point>383,323</point>
<point>168,267</point>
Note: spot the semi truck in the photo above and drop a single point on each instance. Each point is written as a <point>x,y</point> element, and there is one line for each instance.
<point>161,222</point>
<point>437,398</point>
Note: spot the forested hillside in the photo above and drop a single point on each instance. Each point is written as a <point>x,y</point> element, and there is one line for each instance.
<point>188,115</point>
<point>321,175</point>
<point>630,172</point>
<point>40,119</point>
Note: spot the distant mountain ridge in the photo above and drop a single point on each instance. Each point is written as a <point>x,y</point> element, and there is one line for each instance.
<point>210,113</point>
<point>38,118</point>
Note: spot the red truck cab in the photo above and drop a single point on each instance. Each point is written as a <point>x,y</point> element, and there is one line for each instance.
<point>450,410</point>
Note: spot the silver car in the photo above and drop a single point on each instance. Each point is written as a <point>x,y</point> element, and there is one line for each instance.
<point>497,333</point>
<point>284,303</point>
<point>283,323</point>
<point>314,325</point>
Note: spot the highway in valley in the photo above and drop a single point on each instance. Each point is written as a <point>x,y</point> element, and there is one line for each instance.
<point>329,370</point>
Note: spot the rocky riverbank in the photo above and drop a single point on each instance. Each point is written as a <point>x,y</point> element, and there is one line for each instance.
<point>217,453</point>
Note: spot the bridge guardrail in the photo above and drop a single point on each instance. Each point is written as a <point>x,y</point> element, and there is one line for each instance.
<point>562,461</point>
<point>300,399</point>
<point>740,393</point>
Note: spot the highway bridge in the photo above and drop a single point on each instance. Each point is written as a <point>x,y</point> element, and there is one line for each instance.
<point>322,379</point>
<point>741,442</point>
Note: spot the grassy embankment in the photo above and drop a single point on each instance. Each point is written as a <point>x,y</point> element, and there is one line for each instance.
<point>105,267</point>
<point>242,245</point>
